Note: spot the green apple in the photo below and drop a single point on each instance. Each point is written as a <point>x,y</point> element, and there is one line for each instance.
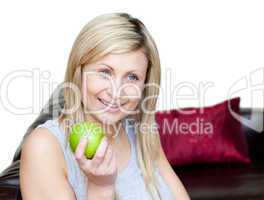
<point>90,130</point>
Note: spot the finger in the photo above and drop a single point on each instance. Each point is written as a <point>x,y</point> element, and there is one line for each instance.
<point>79,151</point>
<point>112,165</point>
<point>99,154</point>
<point>107,158</point>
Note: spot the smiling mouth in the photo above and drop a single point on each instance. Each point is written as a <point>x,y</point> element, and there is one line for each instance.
<point>109,104</point>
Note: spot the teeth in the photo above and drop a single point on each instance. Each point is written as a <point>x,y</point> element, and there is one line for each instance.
<point>111,105</point>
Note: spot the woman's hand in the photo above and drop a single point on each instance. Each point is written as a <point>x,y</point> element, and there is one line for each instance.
<point>101,170</point>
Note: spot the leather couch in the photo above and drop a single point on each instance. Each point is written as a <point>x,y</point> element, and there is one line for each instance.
<point>202,181</point>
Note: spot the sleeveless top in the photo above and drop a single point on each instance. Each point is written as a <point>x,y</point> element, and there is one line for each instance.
<point>129,182</point>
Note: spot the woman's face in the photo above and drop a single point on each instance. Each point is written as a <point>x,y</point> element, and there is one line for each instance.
<point>112,87</point>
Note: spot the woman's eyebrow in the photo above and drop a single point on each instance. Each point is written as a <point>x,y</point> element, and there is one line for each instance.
<point>133,70</point>
<point>106,65</point>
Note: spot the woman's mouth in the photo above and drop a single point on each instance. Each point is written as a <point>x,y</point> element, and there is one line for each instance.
<point>110,107</point>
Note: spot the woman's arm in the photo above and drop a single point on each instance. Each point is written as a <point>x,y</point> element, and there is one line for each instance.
<point>171,178</point>
<point>42,175</point>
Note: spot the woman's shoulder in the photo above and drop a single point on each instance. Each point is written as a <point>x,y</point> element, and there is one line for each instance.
<point>41,139</point>
<point>54,127</point>
<point>42,142</point>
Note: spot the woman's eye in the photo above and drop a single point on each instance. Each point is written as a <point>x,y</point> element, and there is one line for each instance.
<point>133,76</point>
<point>104,72</point>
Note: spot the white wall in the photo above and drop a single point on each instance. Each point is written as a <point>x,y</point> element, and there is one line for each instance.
<point>199,41</point>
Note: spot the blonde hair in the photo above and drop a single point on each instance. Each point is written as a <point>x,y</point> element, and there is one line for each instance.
<point>118,33</point>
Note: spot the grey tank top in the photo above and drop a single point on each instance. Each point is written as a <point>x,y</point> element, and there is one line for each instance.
<point>129,182</point>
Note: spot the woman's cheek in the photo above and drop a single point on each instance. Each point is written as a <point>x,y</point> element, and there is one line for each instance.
<point>95,85</point>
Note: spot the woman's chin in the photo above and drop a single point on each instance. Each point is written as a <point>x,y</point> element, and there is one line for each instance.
<point>108,119</point>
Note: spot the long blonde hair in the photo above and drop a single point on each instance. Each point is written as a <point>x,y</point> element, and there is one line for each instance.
<point>118,33</point>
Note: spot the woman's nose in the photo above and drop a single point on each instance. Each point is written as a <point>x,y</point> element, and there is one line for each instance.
<point>115,89</point>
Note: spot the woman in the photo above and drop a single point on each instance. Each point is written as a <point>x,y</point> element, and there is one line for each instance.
<point>129,162</point>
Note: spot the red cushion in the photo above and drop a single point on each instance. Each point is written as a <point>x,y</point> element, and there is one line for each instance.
<point>207,135</point>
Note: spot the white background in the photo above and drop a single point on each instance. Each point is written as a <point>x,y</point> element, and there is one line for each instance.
<point>199,41</point>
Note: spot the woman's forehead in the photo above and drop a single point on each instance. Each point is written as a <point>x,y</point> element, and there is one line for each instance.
<point>131,61</point>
